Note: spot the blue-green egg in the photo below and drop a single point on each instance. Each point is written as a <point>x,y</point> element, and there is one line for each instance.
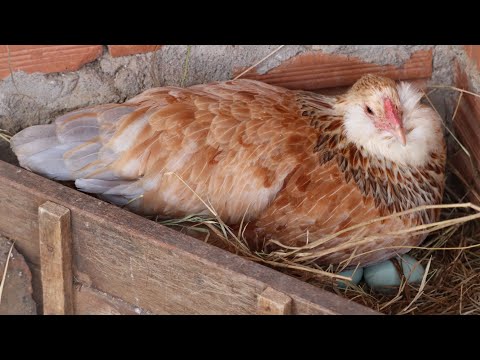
<point>384,276</point>
<point>356,274</point>
<point>412,269</point>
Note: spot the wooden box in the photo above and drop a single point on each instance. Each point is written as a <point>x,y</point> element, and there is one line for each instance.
<point>91,257</point>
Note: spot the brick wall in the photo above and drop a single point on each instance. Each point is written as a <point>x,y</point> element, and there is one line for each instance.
<point>312,70</point>
<point>59,58</point>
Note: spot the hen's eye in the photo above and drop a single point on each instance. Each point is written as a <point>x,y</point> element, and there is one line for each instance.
<point>369,110</point>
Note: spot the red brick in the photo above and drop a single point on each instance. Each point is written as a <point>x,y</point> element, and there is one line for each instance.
<point>46,58</point>
<point>473,52</point>
<point>317,70</point>
<point>124,50</point>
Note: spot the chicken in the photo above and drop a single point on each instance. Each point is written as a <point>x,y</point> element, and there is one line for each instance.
<point>295,165</point>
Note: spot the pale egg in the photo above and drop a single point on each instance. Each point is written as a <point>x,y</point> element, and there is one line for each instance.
<point>384,276</point>
<point>356,274</point>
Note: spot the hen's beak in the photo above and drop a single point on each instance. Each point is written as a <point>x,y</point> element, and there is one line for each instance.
<point>394,121</point>
<point>399,133</point>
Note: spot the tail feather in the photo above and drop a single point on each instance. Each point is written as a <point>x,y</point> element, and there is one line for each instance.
<point>33,133</point>
<point>98,186</point>
<point>49,162</point>
<point>83,129</point>
<point>73,149</point>
<point>38,149</point>
<point>33,147</point>
<point>119,192</point>
<point>79,158</point>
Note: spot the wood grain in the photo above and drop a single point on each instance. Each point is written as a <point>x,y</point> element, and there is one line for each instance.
<point>467,128</point>
<point>273,302</point>
<point>317,70</point>
<point>56,259</point>
<point>89,301</point>
<point>146,264</point>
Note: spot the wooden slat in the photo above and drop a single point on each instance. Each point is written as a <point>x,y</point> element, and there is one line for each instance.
<point>55,259</point>
<point>467,128</point>
<point>316,70</point>
<point>36,285</point>
<point>89,301</point>
<point>273,302</point>
<point>146,264</point>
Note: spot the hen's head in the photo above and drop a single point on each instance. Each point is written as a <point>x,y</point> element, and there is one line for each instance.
<point>388,120</point>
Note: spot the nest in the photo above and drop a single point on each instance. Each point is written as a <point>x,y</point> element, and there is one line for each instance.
<point>450,255</point>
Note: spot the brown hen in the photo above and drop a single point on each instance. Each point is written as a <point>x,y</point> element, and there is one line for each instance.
<point>297,165</point>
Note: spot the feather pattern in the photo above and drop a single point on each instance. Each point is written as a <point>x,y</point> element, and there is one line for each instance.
<point>291,162</point>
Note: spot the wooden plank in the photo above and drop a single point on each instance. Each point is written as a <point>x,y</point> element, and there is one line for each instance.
<point>146,264</point>
<point>89,301</point>
<point>467,128</point>
<point>55,259</point>
<point>317,70</point>
<point>36,285</point>
<point>273,302</point>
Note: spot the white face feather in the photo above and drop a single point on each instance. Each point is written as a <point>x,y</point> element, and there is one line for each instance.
<point>422,125</point>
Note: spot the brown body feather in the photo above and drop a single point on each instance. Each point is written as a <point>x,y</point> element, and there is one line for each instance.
<point>278,157</point>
